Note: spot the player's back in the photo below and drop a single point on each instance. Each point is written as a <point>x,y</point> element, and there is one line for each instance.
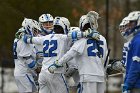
<point>89,60</point>
<point>54,47</point>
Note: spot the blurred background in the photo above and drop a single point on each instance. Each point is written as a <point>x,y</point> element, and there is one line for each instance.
<point>12,13</point>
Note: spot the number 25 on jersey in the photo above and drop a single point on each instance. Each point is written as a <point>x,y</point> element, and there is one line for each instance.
<point>94,48</point>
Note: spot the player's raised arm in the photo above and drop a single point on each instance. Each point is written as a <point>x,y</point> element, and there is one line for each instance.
<point>75,50</point>
<point>32,28</point>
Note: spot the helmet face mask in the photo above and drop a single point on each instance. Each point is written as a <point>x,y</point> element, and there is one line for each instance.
<point>46,23</point>
<point>61,25</point>
<point>58,29</point>
<point>89,21</point>
<point>129,24</point>
<point>47,26</point>
<point>35,31</point>
<point>82,22</point>
<point>86,26</point>
<point>31,27</point>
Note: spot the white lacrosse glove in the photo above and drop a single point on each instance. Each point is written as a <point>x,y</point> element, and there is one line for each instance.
<point>91,33</point>
<point>75,34</point>
<point>70,72</point>
<point>54,66</point>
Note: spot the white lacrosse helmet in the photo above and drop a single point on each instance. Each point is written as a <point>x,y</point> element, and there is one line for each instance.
<point>45,18</point>
<point>63,22</point>
<point>123,24</point>
<point>31,26</point>
<point>124,21</point>
<point>92,17</point>
<point>132,24</point>
<point>133,15</point>
<point>83,20</point>
<point>46,23</point>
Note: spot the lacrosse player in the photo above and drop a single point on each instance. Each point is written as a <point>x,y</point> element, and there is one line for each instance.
<point>131,54</point>
<point>54,46</point>
<point>46,25</point>
<point>24,55</point>
<point>119,65</point>
<point>90,55</point>
<point>72,74</point>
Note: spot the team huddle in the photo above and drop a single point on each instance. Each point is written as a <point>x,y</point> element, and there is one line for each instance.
<point>50,52</point>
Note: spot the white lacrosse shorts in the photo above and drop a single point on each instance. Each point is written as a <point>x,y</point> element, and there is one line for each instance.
<point>25,84</point>
<point>91,87</point>
<point>52,83</point>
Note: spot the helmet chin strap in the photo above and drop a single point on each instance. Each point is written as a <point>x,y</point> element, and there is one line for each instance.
<point>49,31</point>
<point>131,32</point>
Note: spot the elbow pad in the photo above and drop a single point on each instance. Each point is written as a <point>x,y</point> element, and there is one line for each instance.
<point>32,65</point>
<point>27,39</point>
<point>75,35</point>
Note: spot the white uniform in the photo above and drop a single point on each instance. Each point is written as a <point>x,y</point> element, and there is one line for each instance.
<point>39,53</point>
<point>22,73</point>
<point>54,47</point>
<point>72,74</point>
<point>90,66</point>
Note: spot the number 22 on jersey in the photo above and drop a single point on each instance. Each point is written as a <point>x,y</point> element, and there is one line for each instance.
<point>49,48</point>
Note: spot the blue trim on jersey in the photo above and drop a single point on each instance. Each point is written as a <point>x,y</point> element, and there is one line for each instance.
<point>40,53</point>
<point>14,50</point>
<point>52,35</point>
<point>80,88</point>
<point>32,64</point>
<point>30,80</point>
<point>25,38</point>
<point>74,35</point>
<point>29,32</point>
<point>65,83</point>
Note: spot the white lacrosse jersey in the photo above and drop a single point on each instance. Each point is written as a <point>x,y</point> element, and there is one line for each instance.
<point>39,48</point>
<point>54,47</point>
<point>22,51</point>
<point>89,61</point>
<point>72,63</point>
<point>39,53</point>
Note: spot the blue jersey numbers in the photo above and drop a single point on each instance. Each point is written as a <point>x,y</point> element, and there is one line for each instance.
<point>94,48</point>
<point>125,52</point>
<point>14,50</point>
<point>49,48</point>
